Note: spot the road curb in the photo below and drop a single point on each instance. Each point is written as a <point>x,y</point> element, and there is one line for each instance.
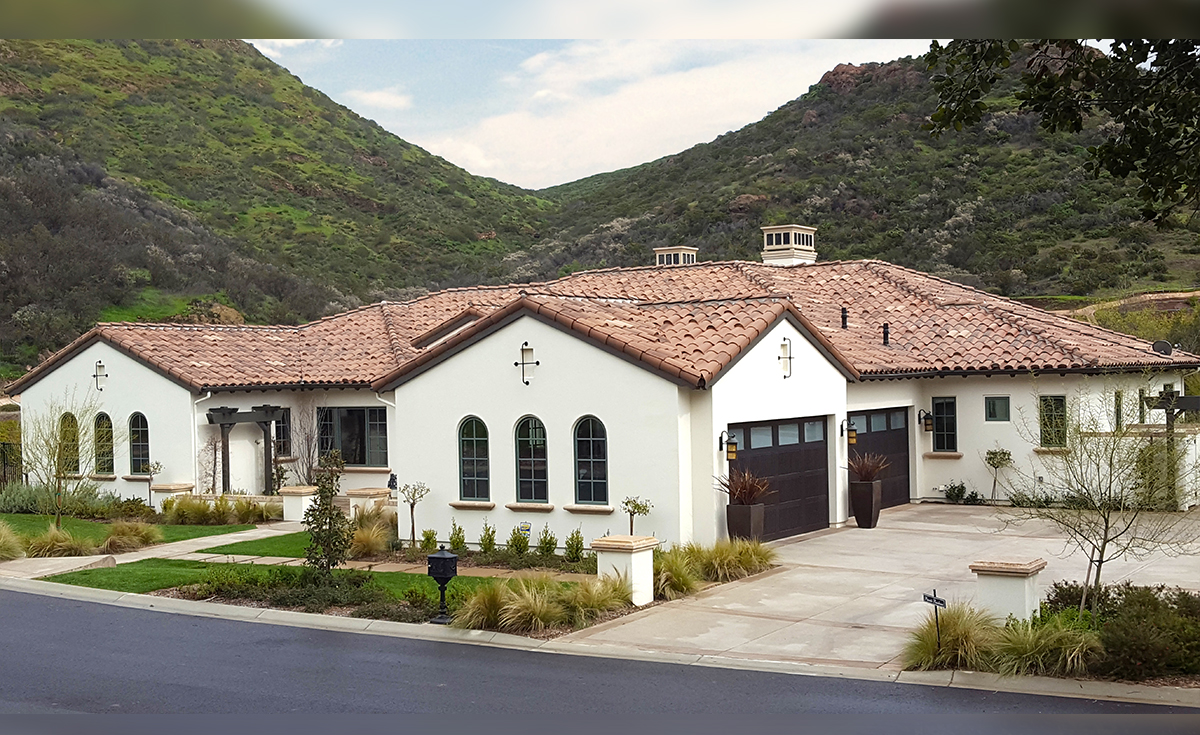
<point>1042,686</point>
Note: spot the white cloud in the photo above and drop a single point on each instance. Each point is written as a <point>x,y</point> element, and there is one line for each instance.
<point>275,47</point>
<point>387,99</point>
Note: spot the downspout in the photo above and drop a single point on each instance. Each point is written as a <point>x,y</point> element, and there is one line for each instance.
<point>195,440</point>
<point>391,484</point>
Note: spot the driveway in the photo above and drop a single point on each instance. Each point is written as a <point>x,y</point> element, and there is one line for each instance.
<point>848,596</point>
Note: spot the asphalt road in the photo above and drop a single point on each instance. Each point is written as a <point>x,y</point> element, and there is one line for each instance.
<point>68,656</point>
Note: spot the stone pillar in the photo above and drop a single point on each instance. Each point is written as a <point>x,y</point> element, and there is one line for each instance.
<point>296,499</point>
<point>632,557</point>
<point>1008,588</point>
<point>366,498</point>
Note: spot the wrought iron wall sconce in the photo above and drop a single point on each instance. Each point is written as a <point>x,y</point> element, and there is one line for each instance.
<point>926,419</point>
<point>785,357</point>
<point>100,375</point>
<point>849,431</point>
<point>527,363</point>
<point>729,443</point>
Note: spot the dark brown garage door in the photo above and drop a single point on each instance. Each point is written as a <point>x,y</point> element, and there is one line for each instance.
<point>885,431</point>
<point>793,456</point>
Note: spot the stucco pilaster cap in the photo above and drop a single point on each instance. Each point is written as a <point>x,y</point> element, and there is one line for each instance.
<point>298,490</point>
<point>368,492</point>
<point>1009,568</point>
<point>627,544</point>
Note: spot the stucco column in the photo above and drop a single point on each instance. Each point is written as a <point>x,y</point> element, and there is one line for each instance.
<point>1008,588</point>
<point>296,499</point>
<point>631,557</point>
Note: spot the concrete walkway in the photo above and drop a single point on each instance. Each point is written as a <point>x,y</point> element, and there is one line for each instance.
<point>849,596</point>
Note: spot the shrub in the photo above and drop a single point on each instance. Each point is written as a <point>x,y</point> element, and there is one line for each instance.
<point>1022,499</point>
<point>130,535</point>
<point>429,541</point>
<point>1135,647</point>
<point>270,511</point>
<point>245,510</point>
<point>370,541</point>
<point>547,542</point>
<point>487,538</point>
<point>743,487</point>
<point>129,508</point>
<point>18,497</point>
<point>517,542</point>
<point>673,575</point>
<point>973,498</point>
<point>532,606</point>
<point>458,537</point>
<point>482,609</point>
<point>10,543</point>
<point>393,610</point>
<point>221,512</point>
<point>57,542</point>
<point>729,559</point>
<point>588,600</point>
<point>573,547</point>
<point>955,491</point>
<point>1054,646</point>
<point>867,467</point>
<point>188,510</point>
<point>327,525</point>
<point>968,635</point>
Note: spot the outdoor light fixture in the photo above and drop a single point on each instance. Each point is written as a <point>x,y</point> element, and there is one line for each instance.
<point>729,443</point>
<point>848,430</point>
<point>443,567</point>
<point>100,375</point>
<point>527,363</point>
<point>785,357</point>
<point>926,419</point>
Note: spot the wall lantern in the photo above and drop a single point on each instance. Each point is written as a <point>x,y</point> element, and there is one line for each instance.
<point>848,430</point>
<point>926,419</point>
<point>527,363</point>
<point>100,375</point>
<point>443,567</point>
<point>729,443</point>
<point>785,357</point>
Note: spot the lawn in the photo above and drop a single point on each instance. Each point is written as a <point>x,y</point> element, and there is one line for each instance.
<point>291,544</point>
<point>29,525</point>
<point>148,575</point>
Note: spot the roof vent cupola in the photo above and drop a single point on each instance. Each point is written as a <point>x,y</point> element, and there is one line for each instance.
<point>675,255</point>
<point>789,245</point>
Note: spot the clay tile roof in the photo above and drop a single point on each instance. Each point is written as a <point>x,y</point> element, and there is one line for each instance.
<point>686,322</point>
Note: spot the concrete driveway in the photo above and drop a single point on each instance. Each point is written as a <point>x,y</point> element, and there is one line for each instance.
<point>848,596</point>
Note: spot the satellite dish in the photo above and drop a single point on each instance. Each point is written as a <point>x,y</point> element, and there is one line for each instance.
<point>1162,347</point>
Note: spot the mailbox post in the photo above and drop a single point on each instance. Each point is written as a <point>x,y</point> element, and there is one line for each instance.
<point>443,567</point>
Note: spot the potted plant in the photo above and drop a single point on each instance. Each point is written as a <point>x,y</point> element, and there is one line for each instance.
<point>744,514</point>
<point>865,493</point>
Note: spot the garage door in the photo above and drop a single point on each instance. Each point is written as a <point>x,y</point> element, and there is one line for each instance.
<point>885,431</point>
<point>793,456</point>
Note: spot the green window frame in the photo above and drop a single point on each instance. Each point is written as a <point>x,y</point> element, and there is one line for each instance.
<point>996,408</point>
<point>283,434</point>
<point>474,481</point>
<point>1052,420</point>
<point>139,445</point>
<point>1118,410</point>
<point>591,461</point>
<point>532,475</point>
<point>360,434</point>
<point>68,444</point>
<point>103,444</point>
<point>945,424</point>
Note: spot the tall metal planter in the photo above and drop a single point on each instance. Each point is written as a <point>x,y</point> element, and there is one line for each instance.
<point>745,521</point>
<point>865,499</point>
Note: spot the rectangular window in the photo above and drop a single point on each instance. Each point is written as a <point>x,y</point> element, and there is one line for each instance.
<point>945,425</point>
<point>283,434</point>
<point>760,437</point>
<point>814,431</point>
<point>789,434</point>
<point>1118,410</point>
<point>897,419</point>
<point>360,434</point>
<point>879,422</point>
<point>1052,419</point>
<point>860,423</point>
<point>995,408</point>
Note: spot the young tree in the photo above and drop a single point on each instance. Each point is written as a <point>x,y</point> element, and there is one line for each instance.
<point>61,444</point>
<point>1112,489</point>
<point>328,526</point>
<point>635,507</point>
<point>412,494</point>
<point>305,436</point>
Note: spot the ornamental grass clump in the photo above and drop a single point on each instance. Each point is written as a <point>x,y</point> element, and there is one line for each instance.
<point>968,637</point>
<point>481,611</point>
<point>126,536</point>
<point>867,467</point>
<point>533,605</point>
<point>57,542</point>
<point>188,510</point>
<point>245,510</point>
<point>10,543</point>
<point>370,541</point>
<point>1050,647</point>
<point>743,487</point>
<point>674,576</point>
<point>221,512</point>
<point>588,600</point>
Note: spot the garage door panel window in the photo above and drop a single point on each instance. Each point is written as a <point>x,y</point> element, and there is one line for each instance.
<point>897,420</point>
<point>945,425</point>
<point>760,437</point>
<point>879,422</point>
<point>789,434</point>
<point>814,431</point>
<point>360,434</point>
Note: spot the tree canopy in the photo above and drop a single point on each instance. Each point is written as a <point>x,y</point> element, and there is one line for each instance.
<point>1149,89</point>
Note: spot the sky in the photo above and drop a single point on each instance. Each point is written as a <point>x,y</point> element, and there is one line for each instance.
<point>536,113</point>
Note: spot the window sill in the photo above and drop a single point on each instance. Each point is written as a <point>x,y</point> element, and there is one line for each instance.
<point>1052,451</point>
<point>284,460</point>
<point>362,470</point>
<point>589,509</point>
<point>73,476</point>
<point>136,478</point>
<point>942,455</point>
<point>102,478</point>
<point>530,507</point>
<point>472,505</point>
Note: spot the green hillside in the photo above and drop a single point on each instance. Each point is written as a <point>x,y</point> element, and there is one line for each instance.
<point>1005,206</point>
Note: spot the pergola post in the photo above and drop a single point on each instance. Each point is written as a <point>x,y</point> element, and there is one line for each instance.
<point>226,418</point>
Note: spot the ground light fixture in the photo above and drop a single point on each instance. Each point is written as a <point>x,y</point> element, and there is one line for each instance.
<point>849,431</point>
<point>729,443</point>
<point>443,567</point>
<point>926,419</point>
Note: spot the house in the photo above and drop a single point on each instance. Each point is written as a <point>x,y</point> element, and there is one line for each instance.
<point>548,403</point>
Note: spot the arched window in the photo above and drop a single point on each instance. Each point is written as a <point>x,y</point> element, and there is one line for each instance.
<point>103,437</point>
<point>68,445</point>
<point>139,445</point>
<point>473,459</point>
<point>531,461</point>
<point>591,461</point>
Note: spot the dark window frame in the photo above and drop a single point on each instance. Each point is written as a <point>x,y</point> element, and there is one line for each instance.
<point>139,445</point>
<point>283,434</point>
<point>473,480</point>
<point>590,490</point>
<point>945,424</point>
<point>102,445</point>
<point>1052,421</point>
<point>68,444</point>
<point>533,476</point>
<point>331,434</point>
<point>987,417</point>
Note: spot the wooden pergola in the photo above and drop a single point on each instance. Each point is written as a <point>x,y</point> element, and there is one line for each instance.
<point>227,418</point>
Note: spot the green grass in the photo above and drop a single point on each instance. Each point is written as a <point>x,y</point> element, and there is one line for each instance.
<point>291,544</point>
<point>150,305</point>
<point>156,574</point>
<point>29,525</point>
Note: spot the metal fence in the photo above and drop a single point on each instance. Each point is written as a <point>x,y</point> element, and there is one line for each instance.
<point>10,463</point>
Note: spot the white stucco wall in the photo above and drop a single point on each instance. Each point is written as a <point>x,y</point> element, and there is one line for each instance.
<point>755,389</point>
<point>641,413</point>
<point>130,387</point>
